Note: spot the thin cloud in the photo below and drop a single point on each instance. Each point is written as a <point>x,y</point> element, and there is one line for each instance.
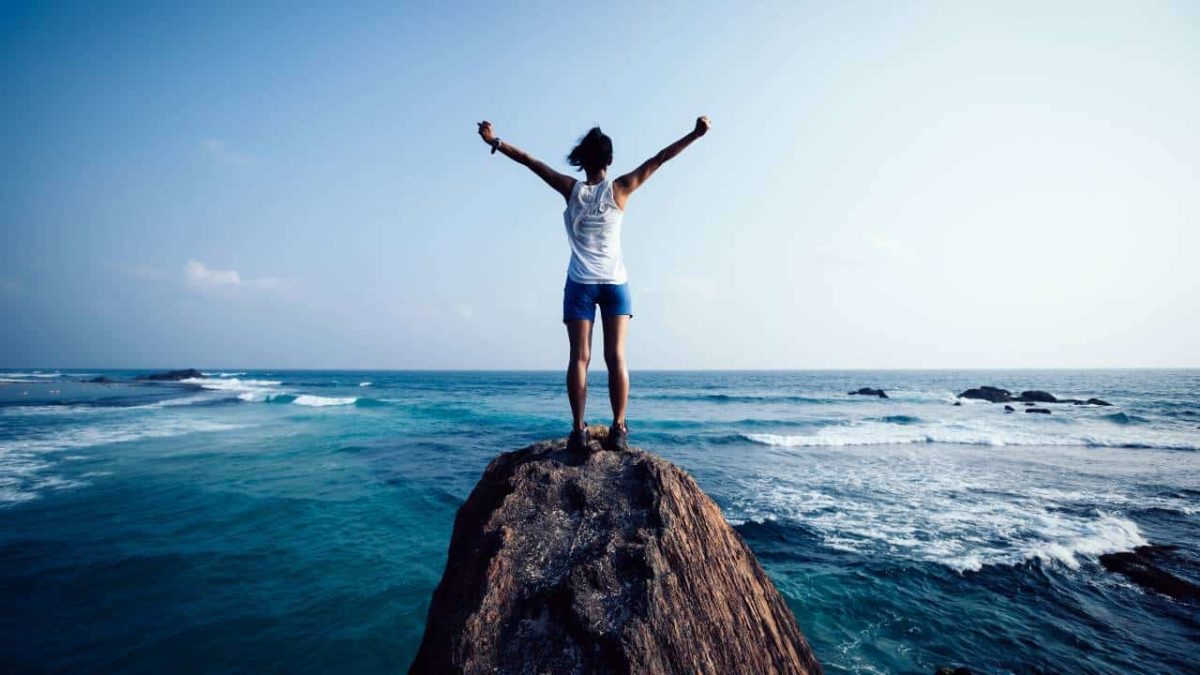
<point>198,275</point>
<point>221,152</point>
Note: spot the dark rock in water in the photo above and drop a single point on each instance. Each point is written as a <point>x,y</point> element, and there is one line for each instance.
<point>1029,405</point>
<point>99,379</point>
<point>1035,396</point>
<point>993,394</point>
<point>1042,411</point>
<point>172,375</point>
<point>947,670</point>
<point>958,403</point>
<point>602,562</point>
<point>1009,408</point>
<point>867,391</point>
<point>1140,566</point>
<point>1097,401</point>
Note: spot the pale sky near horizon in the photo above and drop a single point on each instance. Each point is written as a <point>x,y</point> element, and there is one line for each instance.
<point>886,185</point>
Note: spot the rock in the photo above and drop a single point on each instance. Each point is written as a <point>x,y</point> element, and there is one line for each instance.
<point>99,379</point>
<point>958,403</point>
<point>1140,566</point>
<point>993,394</point>
<point>867,391</point>
<point>171,375</point>
<point>947,670</point>
<point>602,562</point>
<point>1097,401</point>
<point>1009,408</point>
<point>1035,396</point>
<point>1041,411</point>
<point>1029,405</point>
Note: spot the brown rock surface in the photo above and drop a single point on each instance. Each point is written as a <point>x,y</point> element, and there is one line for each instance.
<point>602,562</point>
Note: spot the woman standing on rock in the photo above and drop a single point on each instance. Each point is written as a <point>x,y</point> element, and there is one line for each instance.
<point>596,274</point>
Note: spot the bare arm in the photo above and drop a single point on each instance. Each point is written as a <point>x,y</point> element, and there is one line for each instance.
<point>561,183</point>
<point>625,185</point>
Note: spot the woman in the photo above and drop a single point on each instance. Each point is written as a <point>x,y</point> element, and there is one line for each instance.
<point>596,273</point>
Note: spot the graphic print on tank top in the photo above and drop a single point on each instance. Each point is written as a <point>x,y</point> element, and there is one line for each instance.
<point>593,223</point>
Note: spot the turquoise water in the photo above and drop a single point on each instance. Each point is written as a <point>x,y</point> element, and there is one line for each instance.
<point>298,521</point>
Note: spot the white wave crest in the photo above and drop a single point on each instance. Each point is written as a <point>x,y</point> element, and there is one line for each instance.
<point>231,383</point>
<point>364,384</point>
<point>323,401</point>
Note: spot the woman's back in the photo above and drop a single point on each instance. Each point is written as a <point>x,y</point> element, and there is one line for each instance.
<point>593,222</point>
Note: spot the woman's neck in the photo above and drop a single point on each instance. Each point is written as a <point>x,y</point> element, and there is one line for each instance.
<point>596,175</point>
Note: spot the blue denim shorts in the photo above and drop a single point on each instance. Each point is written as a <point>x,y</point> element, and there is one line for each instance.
<point>580,300</point>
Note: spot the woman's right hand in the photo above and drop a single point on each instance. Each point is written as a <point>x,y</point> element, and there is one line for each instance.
<point>486,133</point>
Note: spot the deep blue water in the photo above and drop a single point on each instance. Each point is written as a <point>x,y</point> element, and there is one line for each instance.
<point>298,521</point>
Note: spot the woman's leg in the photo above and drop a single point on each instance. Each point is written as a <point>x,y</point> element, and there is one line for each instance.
<point>615,328</point>
<point>579,332</point>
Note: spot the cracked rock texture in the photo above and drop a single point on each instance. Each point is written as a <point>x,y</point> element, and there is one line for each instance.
<point>602,562</point>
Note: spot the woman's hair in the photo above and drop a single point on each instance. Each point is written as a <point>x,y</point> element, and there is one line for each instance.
<point>594,151</point>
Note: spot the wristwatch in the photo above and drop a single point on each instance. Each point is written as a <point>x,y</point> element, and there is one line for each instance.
<point>495,144</point>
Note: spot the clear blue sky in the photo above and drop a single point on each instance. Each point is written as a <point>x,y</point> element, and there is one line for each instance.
<point>886,184</point>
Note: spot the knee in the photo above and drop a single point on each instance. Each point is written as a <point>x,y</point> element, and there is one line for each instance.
<point>581,356</point>
<point>614,357</point>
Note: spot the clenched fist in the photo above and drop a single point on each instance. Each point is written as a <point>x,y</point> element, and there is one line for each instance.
<point>702,125</point>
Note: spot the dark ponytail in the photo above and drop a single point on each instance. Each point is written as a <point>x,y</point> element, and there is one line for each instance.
<point>594,151</point>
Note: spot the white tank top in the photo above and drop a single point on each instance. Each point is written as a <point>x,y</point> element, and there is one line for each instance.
<point>593,222</point>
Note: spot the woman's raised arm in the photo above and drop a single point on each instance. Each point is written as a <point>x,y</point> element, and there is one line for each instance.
<point>561,183</point>
<point>625,185</point>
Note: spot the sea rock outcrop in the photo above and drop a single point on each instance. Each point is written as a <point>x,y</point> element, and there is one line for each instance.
<point>1041,411</point>
<point>602,562</point>
<point>867,391</point>
<point>986,393</point>
<point>1035,396</point>
<point>1143,566</point>
<point>171,375</point>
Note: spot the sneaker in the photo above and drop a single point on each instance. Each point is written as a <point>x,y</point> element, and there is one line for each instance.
<point>618,437</point>
<point>578,440</point>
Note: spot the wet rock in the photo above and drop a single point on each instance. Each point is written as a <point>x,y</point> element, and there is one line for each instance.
<point>1141,566</point>
<point>602,562</point>
<point>1097,401</point>
<point>986,393</point>
<point>1040,411</point>
<point>867,391</point>
<point>1035,396</point>
<point>958,403</point>
<point>948,670</point>
<point>171,375</point>
<point>1009,408</point>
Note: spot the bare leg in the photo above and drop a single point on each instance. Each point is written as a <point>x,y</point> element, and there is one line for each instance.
<point>615,328</point>
<point>579,332</point>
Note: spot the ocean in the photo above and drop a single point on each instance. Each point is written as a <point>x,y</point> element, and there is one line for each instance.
<point>297,521</point>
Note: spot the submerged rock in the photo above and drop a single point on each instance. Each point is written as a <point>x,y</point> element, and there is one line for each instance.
<point>1009,408</point>
<point>1041,411</point>
<point>1141,567</point>
<point>172,375</point>
<point>986,393</point>
<point>867,391</point>
<point>602,562</point>
<point>1097,401</point>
